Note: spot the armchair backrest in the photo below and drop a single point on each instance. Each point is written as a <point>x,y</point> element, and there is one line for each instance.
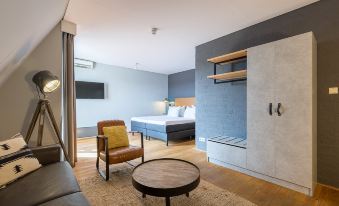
<point>108,123</point>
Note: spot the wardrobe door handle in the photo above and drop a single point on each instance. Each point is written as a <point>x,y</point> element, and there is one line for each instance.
<point>270,109</point>
<point>278,109</point>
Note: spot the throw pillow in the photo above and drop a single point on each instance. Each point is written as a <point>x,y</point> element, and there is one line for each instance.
<point>16,160</point>
<point>173,111</point>
<point>117,136</point>
<point>190,112</point>
<point>182,111</point>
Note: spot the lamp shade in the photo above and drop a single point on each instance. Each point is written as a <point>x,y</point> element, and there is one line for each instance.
<point>46,81</point>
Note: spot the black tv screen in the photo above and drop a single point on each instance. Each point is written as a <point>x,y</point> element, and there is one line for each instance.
<point>89,90</point>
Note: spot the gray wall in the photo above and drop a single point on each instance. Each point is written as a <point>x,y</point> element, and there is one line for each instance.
<point>181,84</point>
<point>219,106</point>
<point>18,97</point>
<point>129,93</point>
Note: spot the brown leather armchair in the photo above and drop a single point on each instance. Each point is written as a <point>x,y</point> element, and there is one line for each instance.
<point>116,155</point>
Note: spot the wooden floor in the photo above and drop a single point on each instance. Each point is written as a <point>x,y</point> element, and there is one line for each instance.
<point>255,190</point>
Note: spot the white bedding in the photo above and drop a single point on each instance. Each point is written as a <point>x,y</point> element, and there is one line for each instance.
<point>163,120</point>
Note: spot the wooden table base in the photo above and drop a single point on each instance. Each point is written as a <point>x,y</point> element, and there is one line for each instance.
<point>168,201</point>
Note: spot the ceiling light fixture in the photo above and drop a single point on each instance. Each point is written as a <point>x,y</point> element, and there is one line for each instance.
<point>154,30</point>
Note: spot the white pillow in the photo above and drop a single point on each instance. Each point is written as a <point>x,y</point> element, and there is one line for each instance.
<point>182,111</point>
<point>17,160</point>
<point>173,111</point>
<point>190,112</point>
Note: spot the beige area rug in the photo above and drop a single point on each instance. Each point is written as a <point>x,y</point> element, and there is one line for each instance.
<point>120,191</point>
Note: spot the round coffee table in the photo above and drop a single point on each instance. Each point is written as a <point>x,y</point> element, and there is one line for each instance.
<point>166,177</point>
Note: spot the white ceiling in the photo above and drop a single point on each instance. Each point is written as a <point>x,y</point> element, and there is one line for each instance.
<point>118,32</point>
<point>23,26</point>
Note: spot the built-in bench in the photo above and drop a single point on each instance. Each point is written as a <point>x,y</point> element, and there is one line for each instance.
<point>231,150</point>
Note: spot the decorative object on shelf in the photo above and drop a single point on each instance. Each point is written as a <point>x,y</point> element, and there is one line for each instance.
<point>45,83</point>
<point>231,58</point>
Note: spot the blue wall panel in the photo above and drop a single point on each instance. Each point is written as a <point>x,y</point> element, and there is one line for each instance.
<point>221,108</point>
<point>181,84</point>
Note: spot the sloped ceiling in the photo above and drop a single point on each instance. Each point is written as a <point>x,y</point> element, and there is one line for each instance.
<point>24,24</point>
<point>118,32</point>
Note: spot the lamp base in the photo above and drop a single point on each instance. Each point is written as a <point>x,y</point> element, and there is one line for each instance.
<point>39,114</point>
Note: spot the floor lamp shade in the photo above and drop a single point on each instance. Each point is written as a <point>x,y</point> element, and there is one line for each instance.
<point>46,81</point>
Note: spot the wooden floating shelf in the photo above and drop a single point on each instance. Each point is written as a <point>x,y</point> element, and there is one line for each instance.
<point>241,74</point>
<point>228,57</point>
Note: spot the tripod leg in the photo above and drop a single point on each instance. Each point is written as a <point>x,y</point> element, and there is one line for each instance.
<point>41,124</point>
<point>33,122</point>
<point>56,129</point>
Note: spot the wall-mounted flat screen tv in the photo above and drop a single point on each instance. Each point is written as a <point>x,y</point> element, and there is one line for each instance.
<point>89,90</point>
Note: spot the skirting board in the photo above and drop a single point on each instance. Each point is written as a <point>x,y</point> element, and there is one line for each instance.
<point>301,189</point>
<point>87,131</point>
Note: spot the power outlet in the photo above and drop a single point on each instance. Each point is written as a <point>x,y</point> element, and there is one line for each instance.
<point>202,139</point>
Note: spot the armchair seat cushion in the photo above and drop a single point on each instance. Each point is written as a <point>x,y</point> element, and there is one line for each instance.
<point>122,154</point>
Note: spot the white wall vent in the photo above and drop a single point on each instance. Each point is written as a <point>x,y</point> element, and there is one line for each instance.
<point>83,63</point>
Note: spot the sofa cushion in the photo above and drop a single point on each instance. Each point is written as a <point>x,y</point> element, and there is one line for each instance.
<point>47,183</point>
<point>16,160</point>
<point>47,154</point>
<point>12,145</point>
<point>74,199</point>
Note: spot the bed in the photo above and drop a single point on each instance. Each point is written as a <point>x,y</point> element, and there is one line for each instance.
<point>164,127</point>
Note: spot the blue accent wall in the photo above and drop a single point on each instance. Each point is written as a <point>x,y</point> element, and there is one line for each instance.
<point>221,108</point>
<point>181,84</point>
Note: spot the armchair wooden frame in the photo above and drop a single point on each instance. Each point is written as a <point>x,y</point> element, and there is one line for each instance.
<point>102,138</point>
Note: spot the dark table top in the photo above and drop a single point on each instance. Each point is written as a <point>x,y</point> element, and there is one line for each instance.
<point>166,174</point>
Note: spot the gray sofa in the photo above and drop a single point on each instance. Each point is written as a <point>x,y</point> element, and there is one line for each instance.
<point>54,184</point>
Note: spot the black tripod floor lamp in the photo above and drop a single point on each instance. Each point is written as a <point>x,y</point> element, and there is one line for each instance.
<point>45,83</point>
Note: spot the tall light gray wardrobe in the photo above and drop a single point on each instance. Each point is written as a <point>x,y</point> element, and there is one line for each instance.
<point>281,115</point>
